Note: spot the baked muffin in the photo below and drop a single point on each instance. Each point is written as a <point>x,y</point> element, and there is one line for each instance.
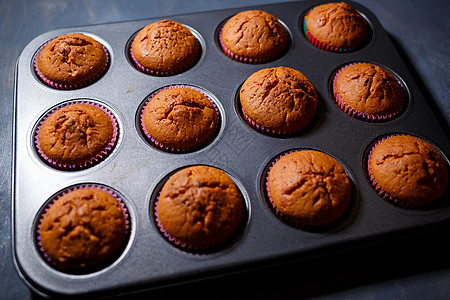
<point>71,61</point>
<point>308,188</point>
<point>407,170</point>
<point>253,36</point>
<point>368,92</point>
<point>76,135</point>
<point>179,119</point>
<point>164,48</point>
<point>335,27</point>
<point>83,229</point>
<point>199,207</point>
<point>278,100</point>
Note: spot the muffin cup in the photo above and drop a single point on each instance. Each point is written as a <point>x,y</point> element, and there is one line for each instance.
<point>63,86</point>
<point>266,130</point>
<point>355,113</point>
<point>318,43</point>
<point>152,72</point>
<point>89,162</point>
<point>127,225</point>
<point>167,148</point>
<point>240,58</point>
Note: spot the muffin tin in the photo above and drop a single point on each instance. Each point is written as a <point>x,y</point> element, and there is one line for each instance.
<point>136,170</point>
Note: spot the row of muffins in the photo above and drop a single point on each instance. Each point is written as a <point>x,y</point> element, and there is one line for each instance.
<point>166,48</point>
<point>200,208</point>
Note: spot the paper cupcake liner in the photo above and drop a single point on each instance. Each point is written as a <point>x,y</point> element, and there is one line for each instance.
<point>167,148</point>
<point>383,194</point>
<point>266,130</point>
<point>89,162</point>
<point>192,248</point>
<point>62,86</point>
<point>126,234</point>
<point>354,112</point>
<point>152,72</point>
<point>241,58</point>
<point>320,44</point>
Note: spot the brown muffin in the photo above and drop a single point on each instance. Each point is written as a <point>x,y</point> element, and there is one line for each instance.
<point>335,27</point>
<point>71,61</point>
<point>278,100</point>
<point>82,229</point>
<point>408,170</point>
<point>199,207</point>
<point>164,48</point>
<point>308,188</point>
<point>368,92</point>
<point>179,119</point>
<point>253,36</point>
<point>76,136</point>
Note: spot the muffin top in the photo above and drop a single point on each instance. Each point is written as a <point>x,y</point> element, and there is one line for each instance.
<point>309,187</point>
<point>82,228</point>
<point>165,46</point>
<point>254,34</point>
<point>369,89</point>
<point>337,25</point>
<point>280,99</point>
<point>200,206</point>
<point>409,169</point>
<point>72,59</point>
<point>75,134</point>
<point>180,118</point>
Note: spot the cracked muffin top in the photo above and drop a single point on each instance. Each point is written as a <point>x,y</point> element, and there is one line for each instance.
<point>408,169</point>
<point>200,206</point>
<point>180,118</point>
<point>308,188</point>
<point>82,229</point>
<point>72,59</point>
<point>369,89</point>
<point>75,134</point>
<point>280,99</point>
<point>254,34</point>
<point>165,46</point>
<point>337,25</point>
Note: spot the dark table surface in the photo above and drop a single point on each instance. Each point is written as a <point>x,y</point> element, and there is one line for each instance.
<point>413,266</point>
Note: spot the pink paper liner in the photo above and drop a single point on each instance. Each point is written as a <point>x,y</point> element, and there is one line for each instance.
<point>80,187</point>
<point>152,72</point>
<point>63,86</point>
<point>93,160</point>
<point>240,58</point>
<point>354,112</point>
<point>188,247</point>
<point>286,218</point>
<point>164,147</point>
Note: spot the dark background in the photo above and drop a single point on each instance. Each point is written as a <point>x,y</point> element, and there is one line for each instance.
<point>411,266</point>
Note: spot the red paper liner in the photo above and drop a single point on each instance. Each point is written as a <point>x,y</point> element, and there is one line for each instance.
<point>152,72</point>
<point>91,161</point>
<point>63,86</point>
<point>241,58</point>
<point>354,112</point>
<point>164,147</point>
<point>266,130</point>
<point>127,223</point>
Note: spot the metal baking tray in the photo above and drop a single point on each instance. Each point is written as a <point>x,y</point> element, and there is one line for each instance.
<point>136,170</point>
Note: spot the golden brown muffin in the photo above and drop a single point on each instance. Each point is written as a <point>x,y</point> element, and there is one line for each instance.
<point>309,188</point>
<point>408,169</point>
<point>82,229</point>
<point>71,59</point>
<point>180,119</point>
<point>336,25</point>
<point>76,134</point>
<point>199,207</point>
<point>165,47</point>
<point>280,99</point>
<point>370,90</point>
<point>253,34</point>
